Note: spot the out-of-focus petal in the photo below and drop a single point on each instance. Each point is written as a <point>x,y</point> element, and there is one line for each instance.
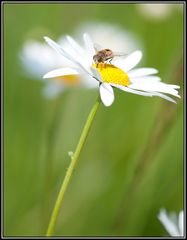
<point>52,90</point>
<point>181,223</point>
<point>169,224</point>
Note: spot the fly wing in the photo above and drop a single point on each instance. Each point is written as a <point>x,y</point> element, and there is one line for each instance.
<point>120,54</point>
<point>98,47</point>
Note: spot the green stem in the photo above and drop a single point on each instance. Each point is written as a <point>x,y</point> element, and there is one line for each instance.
<point>69,172</point>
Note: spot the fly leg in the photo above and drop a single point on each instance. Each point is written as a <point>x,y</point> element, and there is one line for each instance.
<point>110,61</point>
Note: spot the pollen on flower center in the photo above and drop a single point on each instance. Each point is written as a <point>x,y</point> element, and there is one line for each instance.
<point>112,74</point>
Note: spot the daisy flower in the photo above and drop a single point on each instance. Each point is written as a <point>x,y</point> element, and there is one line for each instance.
<point>119,73</point>
<point>158,12</point>
<point>173,224</point>
<point>38,58</point>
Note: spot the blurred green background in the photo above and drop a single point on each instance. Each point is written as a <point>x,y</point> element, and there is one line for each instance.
<point>132,162</point>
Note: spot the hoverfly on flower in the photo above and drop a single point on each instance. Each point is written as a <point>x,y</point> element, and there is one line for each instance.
<point>105,55</point>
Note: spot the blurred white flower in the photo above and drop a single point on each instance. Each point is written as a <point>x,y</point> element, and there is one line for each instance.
<point>38,58</point>
<point>157,11</point>
<point>119,74</point>
<point>110,36</point>
<point>173,224</point>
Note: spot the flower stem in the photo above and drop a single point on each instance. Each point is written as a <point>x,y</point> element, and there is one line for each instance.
<point>69,172</point>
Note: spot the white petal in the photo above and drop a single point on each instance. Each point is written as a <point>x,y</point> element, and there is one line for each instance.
<point>107,94</point>
<point>139,72</point>
<point>145,79</point>
<point>126,89</point>
<point>169,225</point>
<point>96,74</point>
<point>129,62</point>
<point>60,72</point>
<point>163,96</point>
<point>155,87</point>
<point>75,45</point>
<point>77,52</point>
<point>181,223</point>
<point>89,45</point>
<point>61,51</point>
<point>56,46</point>
<point>147,94</point>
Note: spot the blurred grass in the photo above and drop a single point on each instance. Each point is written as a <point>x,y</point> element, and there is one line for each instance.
<point>106,168</point>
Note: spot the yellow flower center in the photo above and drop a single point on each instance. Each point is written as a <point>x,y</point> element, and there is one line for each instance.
<point>112,74</point>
